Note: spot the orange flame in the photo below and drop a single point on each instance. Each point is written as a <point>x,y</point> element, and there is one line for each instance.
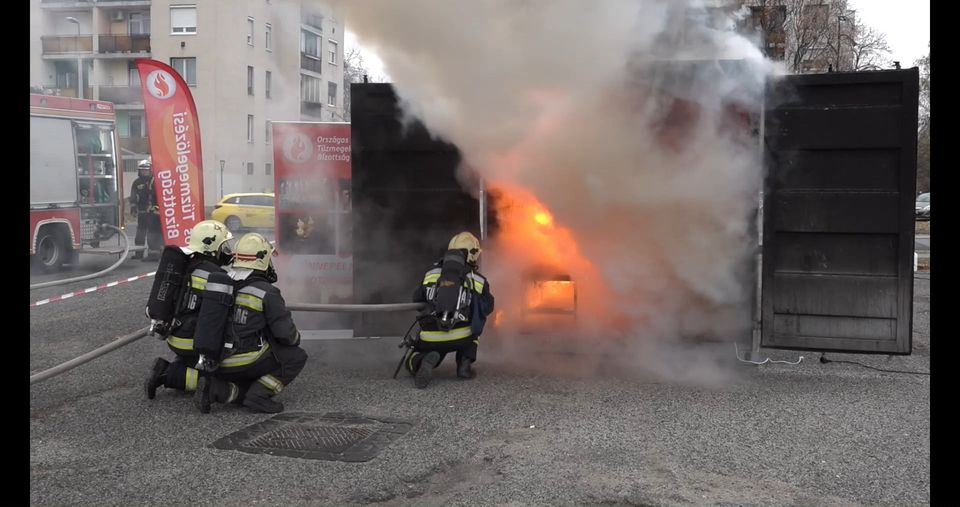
<point>542,264</point>
<point>161,84</point>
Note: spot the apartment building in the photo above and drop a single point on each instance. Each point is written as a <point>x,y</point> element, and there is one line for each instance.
<point>247,62</point>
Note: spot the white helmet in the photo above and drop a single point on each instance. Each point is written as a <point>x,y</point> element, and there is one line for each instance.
<point>208,236</point>
<point>145,164</point>
<point>253,251</point>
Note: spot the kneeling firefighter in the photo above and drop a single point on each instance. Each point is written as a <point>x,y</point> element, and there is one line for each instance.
<point>262,342</point>
<point>174,305</point>
<point>459,301</point>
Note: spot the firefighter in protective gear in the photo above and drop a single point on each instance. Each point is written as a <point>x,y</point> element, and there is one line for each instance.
<point>434,342</point>
<point>143,200</point>
<point>266,354</point>
<point>207,253</point>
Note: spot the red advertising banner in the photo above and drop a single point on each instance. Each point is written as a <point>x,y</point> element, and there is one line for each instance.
<point>313,215</point>
<point>174,131</point>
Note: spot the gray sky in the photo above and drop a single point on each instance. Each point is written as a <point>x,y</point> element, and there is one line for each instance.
<point>906,24</point>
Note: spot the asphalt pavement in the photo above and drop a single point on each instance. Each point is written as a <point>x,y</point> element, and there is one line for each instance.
<point>540,428</point>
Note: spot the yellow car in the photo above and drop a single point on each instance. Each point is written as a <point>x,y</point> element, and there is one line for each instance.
<point>245,210</point>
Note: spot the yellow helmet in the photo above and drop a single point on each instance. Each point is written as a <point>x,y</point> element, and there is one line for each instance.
<point>207,236</point>
<point>468,242</point>
<point>253,251</point>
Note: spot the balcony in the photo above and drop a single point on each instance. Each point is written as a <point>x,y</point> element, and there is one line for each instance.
<point>135,144</point>
<point>68,92</point>
<point>125,3</point>
<point>72,5</point>
<point>310,63</point>
<point>124,43</point>
<point>310,108</point>
<point>66,44</point>
<point>121,94</point>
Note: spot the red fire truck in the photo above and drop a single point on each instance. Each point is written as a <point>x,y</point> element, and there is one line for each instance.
<point>76,186</point>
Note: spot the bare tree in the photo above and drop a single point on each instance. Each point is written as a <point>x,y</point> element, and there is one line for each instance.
<point>870,50</point>
<point>923,138</point>
<point>810,31</point>
<point>353,72</point>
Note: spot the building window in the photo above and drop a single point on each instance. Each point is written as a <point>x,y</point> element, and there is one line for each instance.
<point>267,36</point>
<point>331,94</point>
<point>268,169</point>
<point>250,28</point>
<point>250,128</point>
<point>139,23</point>
<point>332,51</point>
<point>267,131</point>
<point>249,80</point>
<point>266,88</point>
<point>187,68</point>
<point>137,126</point>
<point>249,168</point>
<point>310,44</point>
<point>183,19</point>
<point>310,89</point>
<point>134,73</point>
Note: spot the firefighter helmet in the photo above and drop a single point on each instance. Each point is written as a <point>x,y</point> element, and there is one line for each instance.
<point>208,236</point>
<point>145,164</point>
<point>468,242</point>
<point>253,251</point>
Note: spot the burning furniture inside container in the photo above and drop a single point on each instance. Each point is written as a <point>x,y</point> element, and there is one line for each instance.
<point>549,300</point>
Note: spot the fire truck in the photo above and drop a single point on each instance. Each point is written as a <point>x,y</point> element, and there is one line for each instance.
<point>76,187</point>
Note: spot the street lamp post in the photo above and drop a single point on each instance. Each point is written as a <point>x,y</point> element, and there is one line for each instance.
<point>840,18</point>
<point>222,163</point>
<point>79,61</point>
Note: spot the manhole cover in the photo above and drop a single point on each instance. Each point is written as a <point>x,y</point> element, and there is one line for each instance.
<point>332,436</point>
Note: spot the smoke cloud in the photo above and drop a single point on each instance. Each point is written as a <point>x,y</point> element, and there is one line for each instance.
<point>598,111</point>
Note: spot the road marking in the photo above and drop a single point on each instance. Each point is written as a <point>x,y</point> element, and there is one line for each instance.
<point>91,289</point>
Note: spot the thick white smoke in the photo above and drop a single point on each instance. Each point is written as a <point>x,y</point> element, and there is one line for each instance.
<point>595,109</point>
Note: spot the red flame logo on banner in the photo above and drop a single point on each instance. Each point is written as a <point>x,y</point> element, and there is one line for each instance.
<point>297,148</point>
<point>161,85</point>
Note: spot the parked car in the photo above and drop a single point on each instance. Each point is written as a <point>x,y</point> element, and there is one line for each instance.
<point>922,206</point>
<point>250,210</point>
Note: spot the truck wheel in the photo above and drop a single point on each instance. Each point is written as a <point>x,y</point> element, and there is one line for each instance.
<point>233,223</point>
<point>52,250</point>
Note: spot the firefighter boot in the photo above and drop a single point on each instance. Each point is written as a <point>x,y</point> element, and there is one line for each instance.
<point>425,371</point>
<point>464,370</point>
<point>156,377</point>
<point>259,398</point>
<point>212,390</point>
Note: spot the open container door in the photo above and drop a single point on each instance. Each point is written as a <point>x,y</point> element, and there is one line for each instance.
<point>838,225</point>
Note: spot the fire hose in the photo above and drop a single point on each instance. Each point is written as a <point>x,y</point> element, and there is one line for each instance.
<point>140,333</point>
<point>123,257</point>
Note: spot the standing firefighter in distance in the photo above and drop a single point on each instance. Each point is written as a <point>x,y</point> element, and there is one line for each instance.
<point>143,198</point>
<point>206,252</point>
<point>265,341</point>
<point>459,301</point>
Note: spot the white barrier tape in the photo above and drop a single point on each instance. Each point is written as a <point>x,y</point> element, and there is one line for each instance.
<point>91,289</point>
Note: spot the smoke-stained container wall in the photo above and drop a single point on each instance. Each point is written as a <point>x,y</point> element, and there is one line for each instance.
<point>407,202</point>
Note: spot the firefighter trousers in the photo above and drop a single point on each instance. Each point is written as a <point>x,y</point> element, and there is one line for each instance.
<point>465,348</point>
<point>272,367</point>
<point>181,374</point>
<point>148,228</point>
